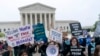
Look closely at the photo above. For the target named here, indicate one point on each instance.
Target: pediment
(37, 6)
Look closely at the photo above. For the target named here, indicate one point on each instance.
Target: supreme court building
(38, 13)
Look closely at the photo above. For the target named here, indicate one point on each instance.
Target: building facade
(63, 25)
(5, 26)
(38, 13)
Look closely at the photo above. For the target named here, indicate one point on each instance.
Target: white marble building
(5, 26)
(37, 13)
(63, 25)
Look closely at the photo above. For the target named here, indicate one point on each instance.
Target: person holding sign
(75, 49)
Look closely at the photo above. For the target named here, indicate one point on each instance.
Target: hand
(10, 48)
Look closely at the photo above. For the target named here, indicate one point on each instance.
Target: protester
(82, 40)
(8, 52)
(59, 48)
(42, 48)
(66, 45)
(1, 46)
(75, 49)
(97, 40)
(88, 40)
(27, 47)
(91, 47)
(97, 51)
(5, 45)
(23, 53)
(16, 50)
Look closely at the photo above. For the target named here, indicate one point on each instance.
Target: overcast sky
(85, 11)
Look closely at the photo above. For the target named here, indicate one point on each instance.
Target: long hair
(23, 51)
(76, 41)
(97, 50)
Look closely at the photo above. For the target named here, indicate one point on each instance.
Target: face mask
(67, 42)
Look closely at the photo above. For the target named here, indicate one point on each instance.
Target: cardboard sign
(39, 33)
(77, 51)
(76, 29)
(85, 32)
(19, 36)
(56, 35)
(52, 50)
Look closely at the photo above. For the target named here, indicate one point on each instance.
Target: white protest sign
(12, 36)
(19, 36)
(56, 35)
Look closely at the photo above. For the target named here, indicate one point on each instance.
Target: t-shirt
(77, 51)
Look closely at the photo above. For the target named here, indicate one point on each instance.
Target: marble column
(45, 20)
(40, 18)
(26, 19)
(49, 21)
(21, 16)
(31, 21)
(53, 20)
(35, 18)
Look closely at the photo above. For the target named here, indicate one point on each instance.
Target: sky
(84, 11)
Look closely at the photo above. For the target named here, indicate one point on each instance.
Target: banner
(56, 35)
(39, 33)
(52, 50)
(19, 36)
(76, 29)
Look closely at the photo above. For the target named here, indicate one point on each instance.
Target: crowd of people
(76, 46)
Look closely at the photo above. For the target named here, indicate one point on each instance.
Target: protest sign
(26, 35)
(77, 51)
(12, 36)
(52, 50)
(85, 32)
(56, 35)
(19, 36)
(76, 29)
(39, 33)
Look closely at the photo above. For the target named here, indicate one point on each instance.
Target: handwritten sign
(76, 29)
(19, 36)
(56, 35)
(39, 33)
